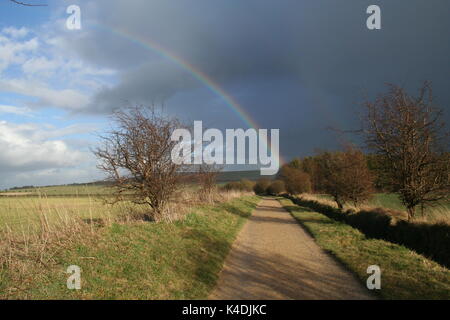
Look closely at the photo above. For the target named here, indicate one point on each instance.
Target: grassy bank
(405, 274)
(140, 260)
(439, 212)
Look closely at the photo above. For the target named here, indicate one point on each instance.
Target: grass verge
(438, 213)
(405, 274)
(142, 260)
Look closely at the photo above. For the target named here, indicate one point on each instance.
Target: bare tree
(296, 181)
(309, 166)
(136, 156)
(409, 134)
(345, 176)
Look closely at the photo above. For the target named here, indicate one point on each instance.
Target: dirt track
(274, 258)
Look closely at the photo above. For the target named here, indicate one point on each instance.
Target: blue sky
(44, 137)
(298, 66)
(27, 17)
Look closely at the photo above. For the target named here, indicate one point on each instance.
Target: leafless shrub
(207, 180)
(409, 134)
(136, 156)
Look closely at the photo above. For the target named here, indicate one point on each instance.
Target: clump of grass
(31, 238)
(405, 274)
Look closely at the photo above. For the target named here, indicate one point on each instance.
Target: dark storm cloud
(297, 65)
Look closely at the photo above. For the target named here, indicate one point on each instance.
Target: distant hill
(224, 177)
(227, 176)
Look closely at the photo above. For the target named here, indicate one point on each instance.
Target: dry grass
(33, 231)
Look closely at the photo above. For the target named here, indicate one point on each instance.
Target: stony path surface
(273, 257)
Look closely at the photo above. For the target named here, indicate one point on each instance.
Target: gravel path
(273, 257)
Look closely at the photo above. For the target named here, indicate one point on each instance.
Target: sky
(298, 66)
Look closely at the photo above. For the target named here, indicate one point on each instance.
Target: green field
(63, 191)
(28, 211)
(438, 212)
(392, 201)
(25, 209)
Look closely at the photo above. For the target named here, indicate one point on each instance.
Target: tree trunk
(411, 212)
(339, 203)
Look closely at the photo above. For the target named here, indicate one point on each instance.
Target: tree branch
(28, 4)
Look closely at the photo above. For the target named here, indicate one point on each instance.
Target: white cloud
(46, 97)
(15, 52)
(21, 111)
(43, 73)
(50, 76)
(39, 64)
(41, 154)
(52, 133)
(26, 147)
(15, 32)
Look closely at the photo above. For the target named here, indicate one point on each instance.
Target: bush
(296, 181)
(345, 176)
(276, 188)
(261, 186)
(233, 185)
(247, 185)
(243, 185)
(375, 223)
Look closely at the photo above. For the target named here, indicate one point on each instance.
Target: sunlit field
(392, 201)
(71, 190)
(28, 212)
(29, 209)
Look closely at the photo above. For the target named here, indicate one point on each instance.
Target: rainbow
(203, 78)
